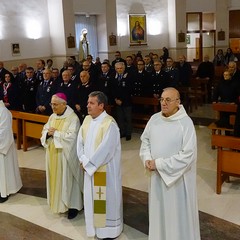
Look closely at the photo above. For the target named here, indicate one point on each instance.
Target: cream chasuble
(99, 151)
(64, 175)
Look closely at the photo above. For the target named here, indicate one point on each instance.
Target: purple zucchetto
(62, 96)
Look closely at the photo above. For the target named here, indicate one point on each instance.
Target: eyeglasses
(167, 100)
(54, 104)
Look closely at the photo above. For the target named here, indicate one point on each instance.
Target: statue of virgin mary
(83, 45)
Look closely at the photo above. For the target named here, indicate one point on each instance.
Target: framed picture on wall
(137, 29)
(15, 49)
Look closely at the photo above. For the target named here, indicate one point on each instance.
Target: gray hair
(120, 64)
(101, 97)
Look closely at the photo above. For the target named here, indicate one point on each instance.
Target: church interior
(54, 29)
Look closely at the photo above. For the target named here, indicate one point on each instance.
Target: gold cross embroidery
(100, 193)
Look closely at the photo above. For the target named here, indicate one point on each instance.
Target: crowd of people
(82, 141)
(30, 89)
(25, 88)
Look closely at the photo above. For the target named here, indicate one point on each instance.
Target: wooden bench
(223, 107)
(143, 109)
(228, 158)
(17, 127)
(32, 125)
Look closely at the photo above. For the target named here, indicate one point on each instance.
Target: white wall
(201, 6)
(56, 25)
(93, 7)
(234, 4)
(27, 24)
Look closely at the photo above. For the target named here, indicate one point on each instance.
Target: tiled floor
(225, 205)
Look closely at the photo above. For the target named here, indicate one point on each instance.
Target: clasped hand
(51, 131)
(150, 165)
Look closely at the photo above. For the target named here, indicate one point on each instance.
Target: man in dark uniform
(206, 70)
(122, 94)
(105, 80)
(92, 71)
(22, 73)
(185, 71)
(44, 94)
(29, 90)
(67, 88)
(130, 68)
(75, 78)
(148, 65)
(159, 79)
(81, 97)
(39, 72)
(172, 73)
(142, 83)
(118, 58)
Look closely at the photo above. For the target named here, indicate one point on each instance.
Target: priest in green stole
(63, 172)
(99, 152)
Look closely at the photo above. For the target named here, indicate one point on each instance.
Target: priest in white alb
(10, 179)
(63, 172)
(99, 152)
(169, 154)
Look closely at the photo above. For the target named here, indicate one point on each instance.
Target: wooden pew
(17, 127)
(32, 125)
(228, 158)
(140, 117)
(223, 107)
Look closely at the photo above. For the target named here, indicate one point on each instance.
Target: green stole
(100, 176)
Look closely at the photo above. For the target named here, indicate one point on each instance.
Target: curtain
(89, 23)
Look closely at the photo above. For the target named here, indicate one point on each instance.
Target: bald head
(170, 101)
(84, 76)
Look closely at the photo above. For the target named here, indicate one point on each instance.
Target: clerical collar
(100, 116)
(85, 84)
(62, 113)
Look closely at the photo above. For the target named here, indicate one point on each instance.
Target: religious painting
(112, 40)
(137, 29)
(71, 41)
(15, 49)
(221, 35)
(181, 37)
